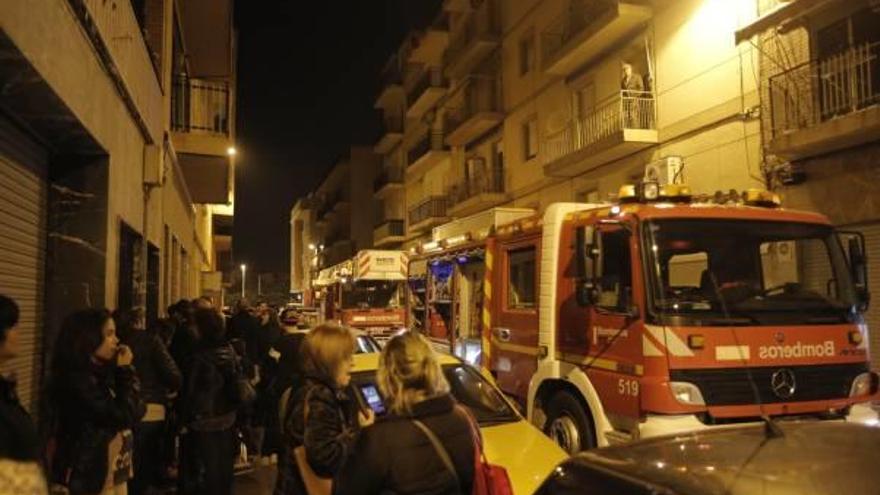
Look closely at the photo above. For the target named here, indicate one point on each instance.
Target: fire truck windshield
(366, 294)
(744, 272)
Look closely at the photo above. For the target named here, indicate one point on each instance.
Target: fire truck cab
(664, 313)
(365, 292)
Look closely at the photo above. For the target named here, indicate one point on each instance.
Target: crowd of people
(137, 407)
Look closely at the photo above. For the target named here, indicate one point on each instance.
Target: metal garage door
(872, 247)
(22, 249)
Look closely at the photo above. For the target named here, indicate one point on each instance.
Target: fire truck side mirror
(587, 255)
(858, 265)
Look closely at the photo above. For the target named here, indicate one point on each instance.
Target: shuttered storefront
(23, 205)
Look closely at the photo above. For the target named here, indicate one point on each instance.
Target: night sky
(308, 74)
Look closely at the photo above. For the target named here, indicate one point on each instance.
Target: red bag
(489, 479)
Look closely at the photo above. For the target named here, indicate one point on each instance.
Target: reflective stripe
(674, 345)
(601, 363)
(648, 347)
(732, 352)
(516, 348)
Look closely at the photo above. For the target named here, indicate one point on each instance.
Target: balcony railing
(578, 16)
(482, 22)
(433, 141)
(628, 110)
(433, 207)
(392, 176)
(200, 106)
(820, 90)
(481, 183)
(478, 94)
(392, 73)
(431, 77)
(392, 122)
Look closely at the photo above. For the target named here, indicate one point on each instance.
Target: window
(530, 138)
(527, 53)
(615, 284)
(521, 267)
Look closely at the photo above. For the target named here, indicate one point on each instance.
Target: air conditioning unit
(667, 170)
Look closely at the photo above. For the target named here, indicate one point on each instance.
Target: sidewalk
(259, 481)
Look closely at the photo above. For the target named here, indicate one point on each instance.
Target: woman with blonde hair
(318, 418)
(424, 445)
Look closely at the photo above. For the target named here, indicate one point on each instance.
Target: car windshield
(471, 390)
(366, 294)
(737, 272)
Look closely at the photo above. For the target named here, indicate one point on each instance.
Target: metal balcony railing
(474, 95)
(491, 182)
(200, 106)
(578, 16)
(819, 90)
(627, 110)
(432, 207)
(482, 22)
(392, 122)
(388, 176)
(432, 77)
(433, 141)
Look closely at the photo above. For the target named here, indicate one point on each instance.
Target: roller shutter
(23, 205)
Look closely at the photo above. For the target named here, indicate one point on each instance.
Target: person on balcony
(632, 88)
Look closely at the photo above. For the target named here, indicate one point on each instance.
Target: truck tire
(568, 424)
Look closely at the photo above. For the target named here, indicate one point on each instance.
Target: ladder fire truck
(659, 313)
(365, 292)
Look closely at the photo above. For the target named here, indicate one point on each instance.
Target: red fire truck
(365, 292)
(663, 313)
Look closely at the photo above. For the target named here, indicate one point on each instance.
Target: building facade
(110, 145)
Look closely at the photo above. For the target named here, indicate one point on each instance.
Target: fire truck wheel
(568, 425)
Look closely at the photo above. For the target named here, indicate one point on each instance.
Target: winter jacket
(18, 436)
(92, 406)
(395, 456)
(210, 399)
(157, 371)
(328, 435)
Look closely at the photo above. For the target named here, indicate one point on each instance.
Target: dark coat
(18, 436)
(394, 456)
(329, 434)
(209, 401)
(157, 371)
(92, 405)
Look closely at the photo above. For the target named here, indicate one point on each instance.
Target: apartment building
(113, 169)
(344, 210)
(820, 109)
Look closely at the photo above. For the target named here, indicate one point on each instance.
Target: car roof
(811, 457)
(370, 361)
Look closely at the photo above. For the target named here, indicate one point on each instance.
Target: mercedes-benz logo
(783, 383)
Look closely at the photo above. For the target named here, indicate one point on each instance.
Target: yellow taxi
(508, 440)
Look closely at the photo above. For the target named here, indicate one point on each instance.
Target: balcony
(588, 29)
(473, 41)
(426, 92)
(826, 105)
(428, 213)
(332, 204)
(619, 126)
(392, 83)
(388, 181)
(200, 107)
(480, 192)
(474, 109)
(337, 250)
(392, 132)
(429, 151)
(389, 232)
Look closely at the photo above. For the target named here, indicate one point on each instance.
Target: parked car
(815, 458)
(508, 439)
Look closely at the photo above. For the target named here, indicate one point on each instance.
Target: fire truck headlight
(687, 393)
(864, 384)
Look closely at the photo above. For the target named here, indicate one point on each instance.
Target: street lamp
(243, 272)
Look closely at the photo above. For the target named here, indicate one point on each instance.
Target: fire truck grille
(730, 386)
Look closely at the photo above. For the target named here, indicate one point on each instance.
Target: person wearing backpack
(425, 445)
(216, 387)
